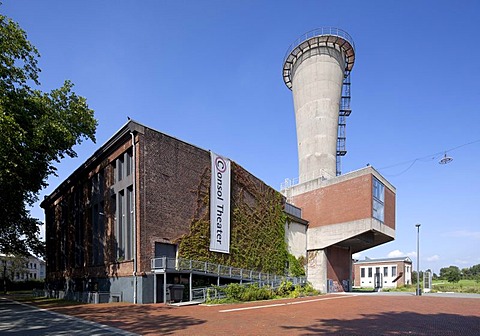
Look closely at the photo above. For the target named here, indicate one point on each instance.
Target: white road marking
(285, 304)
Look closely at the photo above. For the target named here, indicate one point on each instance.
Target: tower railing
(332, 31)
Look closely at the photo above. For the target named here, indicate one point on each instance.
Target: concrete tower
(315, 68)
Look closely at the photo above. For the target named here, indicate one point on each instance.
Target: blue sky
(209, 73)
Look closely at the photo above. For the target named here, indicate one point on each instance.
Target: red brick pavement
(319, 315)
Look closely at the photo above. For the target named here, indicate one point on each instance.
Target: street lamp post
(418, 260)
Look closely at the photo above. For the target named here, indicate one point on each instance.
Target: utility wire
(424, 158)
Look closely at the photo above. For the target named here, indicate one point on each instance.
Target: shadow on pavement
(141, 319)
(394, 323)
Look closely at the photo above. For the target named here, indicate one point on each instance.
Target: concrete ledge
(324, 236)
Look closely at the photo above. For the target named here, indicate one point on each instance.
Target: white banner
(220, 204)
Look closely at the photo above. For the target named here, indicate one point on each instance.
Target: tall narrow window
(394, 271)
(120, 168)
(95, 238)
(378, 200)
(370, 272)
(120, 224)
(362, 272)
(129, 162)
(385, 271)
(129, 225)
(122, 196)
(115, 171)
(101, 234)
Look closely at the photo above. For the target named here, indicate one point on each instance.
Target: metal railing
(181, 264)
(332, 31)
(217, 292)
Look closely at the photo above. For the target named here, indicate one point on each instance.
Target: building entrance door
(378, 280)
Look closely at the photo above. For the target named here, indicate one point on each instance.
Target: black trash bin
(176, 292)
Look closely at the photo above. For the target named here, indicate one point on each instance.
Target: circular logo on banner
(220, 164)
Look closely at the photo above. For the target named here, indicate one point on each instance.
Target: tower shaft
(314, 70)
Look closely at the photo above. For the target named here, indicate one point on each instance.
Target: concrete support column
(317, 269)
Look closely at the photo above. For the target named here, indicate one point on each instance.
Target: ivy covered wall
(257, 224)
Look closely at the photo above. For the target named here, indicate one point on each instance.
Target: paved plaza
(25, 320)
(333, 314)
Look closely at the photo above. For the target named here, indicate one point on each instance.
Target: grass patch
(41, 302)
(363, 290)
(463, 286)
(406, 288)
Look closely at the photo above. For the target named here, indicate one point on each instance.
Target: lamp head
(417, 225)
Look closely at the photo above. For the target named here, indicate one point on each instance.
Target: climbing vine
(257, 226)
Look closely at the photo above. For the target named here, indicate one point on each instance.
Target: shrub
(286, 287)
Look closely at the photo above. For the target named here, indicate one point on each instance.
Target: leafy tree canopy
(451, 273)
(37, 129)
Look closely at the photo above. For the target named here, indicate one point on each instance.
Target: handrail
(332, 31)
(200, 294)
(181, 264)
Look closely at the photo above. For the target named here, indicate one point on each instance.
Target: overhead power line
(434, 156)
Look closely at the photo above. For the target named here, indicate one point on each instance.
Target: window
(120, 221)
(394, 271)
(129, 225)
(378, 200)
(362, 272)
(369, 272)
(120, 168)
(122, 205)
(377, 270)
(385, 271)
(129, 162)
(98, 234)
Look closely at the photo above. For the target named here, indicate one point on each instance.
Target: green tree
(37, 129)
(475, 271)
(451, 273)
(415, 278)
(11, 266)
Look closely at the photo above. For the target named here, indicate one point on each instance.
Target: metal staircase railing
(163, 264)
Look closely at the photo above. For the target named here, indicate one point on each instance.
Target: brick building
(143, 198)
(383, 273)
(144, 195)
(347, 214)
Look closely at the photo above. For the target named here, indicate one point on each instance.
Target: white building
(22, 268)
(383, 273)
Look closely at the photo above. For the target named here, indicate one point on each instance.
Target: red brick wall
(342, 202)
(338, 264)
(171, 171)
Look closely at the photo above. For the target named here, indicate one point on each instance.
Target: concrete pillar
(317, 269)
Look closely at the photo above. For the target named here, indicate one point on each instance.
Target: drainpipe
(134, 215)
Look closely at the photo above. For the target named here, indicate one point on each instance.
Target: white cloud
(435, 257)
(398, 254)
